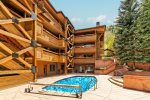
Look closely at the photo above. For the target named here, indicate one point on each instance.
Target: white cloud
(91, 21)
(96, 19)
(76, 20)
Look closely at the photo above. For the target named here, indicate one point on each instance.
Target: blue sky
(85, 13)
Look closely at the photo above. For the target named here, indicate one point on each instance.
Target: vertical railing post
(80, 91)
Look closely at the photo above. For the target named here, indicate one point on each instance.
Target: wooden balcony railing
(85, 39)
(45, 55)
(50, 40)
(87, 60)
(84, 50)
(49, 16)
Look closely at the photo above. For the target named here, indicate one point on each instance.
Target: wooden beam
(24, 50)
(5, 10)
(6, 21)
(14, 36)
(5, 59)
(10, 57)
(24, 62)
(5, 48)
(24, 31)
(27, 4)
(10, 52)
(14, 71)
(11, 16)
(10, 21)
(20, 6)
(35, 38)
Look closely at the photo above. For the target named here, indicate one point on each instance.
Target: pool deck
(105, 91)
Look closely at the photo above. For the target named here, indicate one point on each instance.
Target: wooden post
(66, 63)
(35, 39)
(73, 50)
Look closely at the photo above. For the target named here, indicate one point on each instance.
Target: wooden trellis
(69, 49)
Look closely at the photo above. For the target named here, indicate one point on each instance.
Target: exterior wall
(85, 38)
(84, 60)
(40, 68)
(85, 68)
(84, 50)
(42, 64)
(88, 43)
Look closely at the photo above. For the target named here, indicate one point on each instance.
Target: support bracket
(15, 55)
(33, 16)
(15, 20)
(33, 43)
(66, 39)
(34, 69)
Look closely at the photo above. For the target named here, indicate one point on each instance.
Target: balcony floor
(105, 91)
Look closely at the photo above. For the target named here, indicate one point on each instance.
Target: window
(52, 68)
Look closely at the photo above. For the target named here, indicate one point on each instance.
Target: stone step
(115, 82)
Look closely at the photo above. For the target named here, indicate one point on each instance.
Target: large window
(52, 68)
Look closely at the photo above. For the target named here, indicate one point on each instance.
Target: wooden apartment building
(88, 44)
(38, 41)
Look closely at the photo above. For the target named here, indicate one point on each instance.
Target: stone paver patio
(105, 91)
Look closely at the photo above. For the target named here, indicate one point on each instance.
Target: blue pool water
(86, 82)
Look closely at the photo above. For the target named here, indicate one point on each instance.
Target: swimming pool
(85, 82)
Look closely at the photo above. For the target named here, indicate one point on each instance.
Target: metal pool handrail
(59, 85)
(93, 81)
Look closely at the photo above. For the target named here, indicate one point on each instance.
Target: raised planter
(105, 70)
(140, 65)
(137, 82)
(104, 66)
(102, 63)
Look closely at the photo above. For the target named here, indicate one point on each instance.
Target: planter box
(137, 73)
(104, 66)
(105, 71)
(136, 82)
(144, 66)
(102, 63)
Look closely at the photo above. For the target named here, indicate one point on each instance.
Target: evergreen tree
(124, 37)
(142, 33)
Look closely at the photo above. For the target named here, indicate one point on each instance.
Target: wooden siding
(84, 60)
(84, 50)
(44, 55)
(85, 39)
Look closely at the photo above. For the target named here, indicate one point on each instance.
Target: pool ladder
(95, 85)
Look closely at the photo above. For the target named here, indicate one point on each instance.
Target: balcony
(45, 55)
(84, 60)
(84, 50)
(85, 39)
(48, 39)
(50, 23)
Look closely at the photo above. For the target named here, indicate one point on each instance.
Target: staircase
(116, 80)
